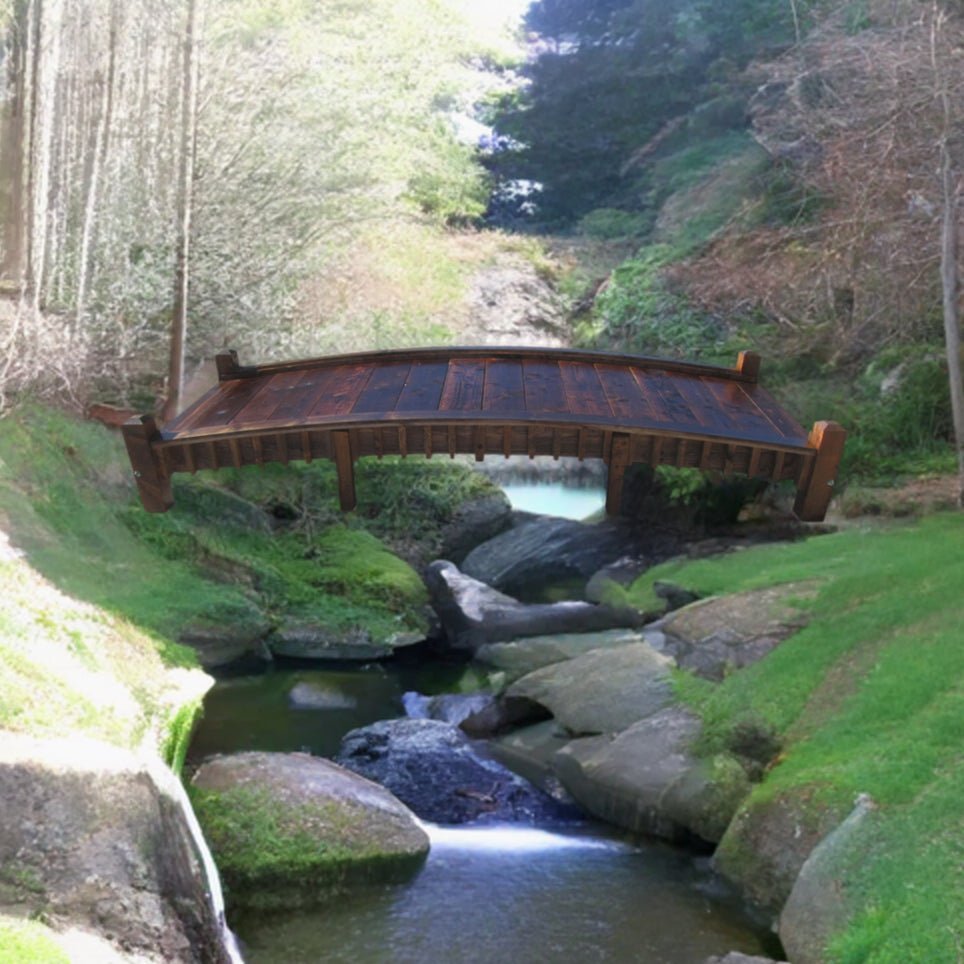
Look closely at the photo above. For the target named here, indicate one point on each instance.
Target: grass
(29, 942)
(868, 698)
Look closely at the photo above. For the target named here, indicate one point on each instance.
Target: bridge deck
(485, 401)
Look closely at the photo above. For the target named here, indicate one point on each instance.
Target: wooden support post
(815, 488)
(228, 367)
(153, 482)
(341, 446)
(618, 463)
(748, 364)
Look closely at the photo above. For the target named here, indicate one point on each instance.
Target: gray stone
(521, 657)
(315, 641)
(475, 522)
(219, 643)
(602, 691)
(545, 550)
(647, 779)
(530, 751)
(607, 585)
(360, 831)
(473, 614)
(433, 769)
(90, 838)
(715, 636)
(735, 957)
(822, 901)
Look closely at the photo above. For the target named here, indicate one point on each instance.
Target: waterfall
(168, 783)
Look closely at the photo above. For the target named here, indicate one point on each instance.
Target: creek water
(489, 894)
(555, 498)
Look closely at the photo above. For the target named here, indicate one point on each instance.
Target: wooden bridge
(490, 401)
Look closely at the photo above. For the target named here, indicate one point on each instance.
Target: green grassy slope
(868, 698)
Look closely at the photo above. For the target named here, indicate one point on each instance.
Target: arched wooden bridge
(490, 401)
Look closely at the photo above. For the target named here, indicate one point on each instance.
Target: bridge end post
(153, 482)
(816, 488)
(344, 464)
(748, 365)
(618, 463)
(227, 364)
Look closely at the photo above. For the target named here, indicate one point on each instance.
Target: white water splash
(172, 786)
(513, 839)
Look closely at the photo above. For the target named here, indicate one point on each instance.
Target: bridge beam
(618, 463)
(153, 482)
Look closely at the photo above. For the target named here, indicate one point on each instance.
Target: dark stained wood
(618, 463)
(153, 484)
(544, 390)
(504, 390)
(462, 391)
(490, 401)
(382, 389)
(584, 391)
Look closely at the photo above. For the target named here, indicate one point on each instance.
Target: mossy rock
(291, 830)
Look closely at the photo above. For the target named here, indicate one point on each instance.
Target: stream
(579, 893)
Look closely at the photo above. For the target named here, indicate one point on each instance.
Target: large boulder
(220, 641)
(523, 656)
(546, 550)
(473, 614)
(769, 839)
(311, 640)
(91, 839)
(432, 767)
(713, 636)
(648, 780)
(474, 522)
(602, 691)
(289, 829)
(823, 899)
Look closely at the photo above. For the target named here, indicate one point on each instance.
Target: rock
(474, 614)
(311, 696)
(289, 829)
(315, 641)
(545, 550)
(714, 636)
(735, 957)
(602, 691)
(475, 522)
(769, 839)
(647, 780)
(220, 642)
(92, 840)
(821, 903)
(530, 751)
(607, 585)
(520, 657)
(433, 769)
(676, 596)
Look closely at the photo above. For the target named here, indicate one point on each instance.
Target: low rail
(623, 409)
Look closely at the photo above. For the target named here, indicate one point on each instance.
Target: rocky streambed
(519, 718)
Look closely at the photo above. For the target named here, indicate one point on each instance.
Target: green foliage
(450, 187)
(868, 698)
(178, 733)
(610, 223)
(29, 942)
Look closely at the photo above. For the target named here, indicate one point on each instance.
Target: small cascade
(167, 782)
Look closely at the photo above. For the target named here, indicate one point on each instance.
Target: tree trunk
(13, 135)
(185, 184)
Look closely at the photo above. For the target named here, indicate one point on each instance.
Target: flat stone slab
(723, 633)
(523, 656)
(647, 780)
(602, 691)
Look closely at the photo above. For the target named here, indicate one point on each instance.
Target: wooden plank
(338, 389)
(544, 390)
(783, 422)
(507, 441)
(218, 407)
(261, 406)
(306, 453)
(704, 405)
(462, 391)
(282, 445)
(478, 443)
(618, 463)
(585, 394)
(453, 447)
(153, 484)
(341, 446)
(581, 445)
(816, 488)
(504, 389)
(751, 424)
(299, 399)
(623, 394)
(670, 404)
(422, 391)
(402, 442)
(383, 389)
